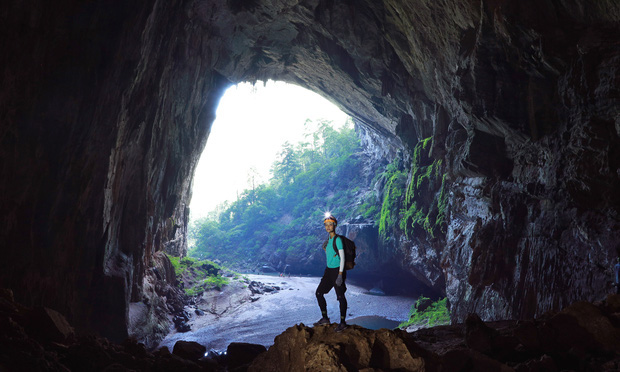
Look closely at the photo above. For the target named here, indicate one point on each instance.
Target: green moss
(176, 264)
(410, 203)
(436, 314)
(213, 282)
(389, 216)
(216, 281)
(442, 205)
(200, 275)
(411, 217)
(188, 261)
(424, 175)
(425, 142)
(194, 291)
(369, 209)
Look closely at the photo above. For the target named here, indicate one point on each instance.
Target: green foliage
(392, 194)
(369, 210)
(194, 291)
(436, 314)
(442, 204)
(308, 178)
(199, 275)
(188, 261)
(217, 281)
(323, 174)
(414, 204)
(418, 211)
(176, 264)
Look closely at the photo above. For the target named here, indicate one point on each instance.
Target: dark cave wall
(105, 110)
(534, 222)
(104, 113)
(554, 220)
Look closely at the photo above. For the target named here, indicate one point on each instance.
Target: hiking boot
(322, 321)
(341, 327)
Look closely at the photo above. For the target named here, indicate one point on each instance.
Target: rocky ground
(581, 337)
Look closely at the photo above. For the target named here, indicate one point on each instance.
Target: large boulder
(190, 350)
(241, 355)
(321, 349)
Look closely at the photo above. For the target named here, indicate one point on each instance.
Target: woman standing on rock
(334, 275)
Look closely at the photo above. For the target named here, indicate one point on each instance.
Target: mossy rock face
(417, 205)
(426, 313)
(421, 210)
(395, 181)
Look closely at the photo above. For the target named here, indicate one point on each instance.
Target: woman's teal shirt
(333, 260)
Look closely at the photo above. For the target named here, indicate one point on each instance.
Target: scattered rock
(42, 340)
(261, 288)
(181, 322)
(241, 354)
(479, 336)
(48, 325)
(581, 337)
(189, 350)
(184, 327)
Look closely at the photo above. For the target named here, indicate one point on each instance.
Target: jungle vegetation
(323, 173)
(309, 178)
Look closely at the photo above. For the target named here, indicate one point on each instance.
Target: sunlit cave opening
(278, 158)
(253, 123)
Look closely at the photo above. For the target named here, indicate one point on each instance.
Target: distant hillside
(279, 223)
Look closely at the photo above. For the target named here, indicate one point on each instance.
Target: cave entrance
(242, 240)
(254, 121)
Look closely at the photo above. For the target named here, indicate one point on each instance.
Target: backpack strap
(335, 247)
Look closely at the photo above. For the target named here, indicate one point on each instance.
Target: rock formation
(582, 337)
(105, 109)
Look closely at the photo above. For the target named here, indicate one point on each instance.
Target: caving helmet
(329, 217)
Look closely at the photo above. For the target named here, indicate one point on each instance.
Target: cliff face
(105, 110)
(103, 118)
(535, 227)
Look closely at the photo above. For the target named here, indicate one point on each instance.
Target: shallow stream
(270, 314)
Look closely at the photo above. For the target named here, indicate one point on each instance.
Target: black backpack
(349, 251)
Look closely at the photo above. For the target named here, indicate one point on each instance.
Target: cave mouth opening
(254, 120)
(253, 117)
(248, 113)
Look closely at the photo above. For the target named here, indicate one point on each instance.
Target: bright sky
(252, 124)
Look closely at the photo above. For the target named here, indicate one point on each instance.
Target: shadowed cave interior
(105, 110)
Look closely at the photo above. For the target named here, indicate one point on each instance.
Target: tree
(305, 178)
(288, 166)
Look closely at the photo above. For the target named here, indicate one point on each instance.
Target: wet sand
(261, 321)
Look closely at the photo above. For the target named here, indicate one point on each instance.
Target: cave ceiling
(105, 111)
